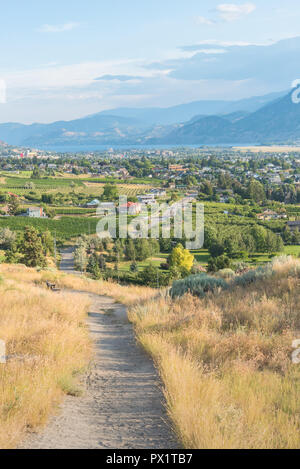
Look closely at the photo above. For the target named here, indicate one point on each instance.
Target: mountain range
(272, 118)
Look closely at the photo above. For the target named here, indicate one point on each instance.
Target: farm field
(21, 186)
(268, 149)
(65, 228)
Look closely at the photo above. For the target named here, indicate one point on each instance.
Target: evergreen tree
(142, 249)
(32, 249)
(130, 252)
(93, 267)
(13, 205)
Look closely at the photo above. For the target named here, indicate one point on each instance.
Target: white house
(35, 212)
(93, 204)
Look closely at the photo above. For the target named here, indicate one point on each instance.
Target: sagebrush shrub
(197, 285)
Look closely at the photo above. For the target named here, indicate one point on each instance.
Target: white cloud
(204, 21)
(211, 51)
(232, 12)
(75, 75)
(58, 28)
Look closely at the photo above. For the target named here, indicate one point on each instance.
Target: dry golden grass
(226, 362)
(127, 295)
(47, 344)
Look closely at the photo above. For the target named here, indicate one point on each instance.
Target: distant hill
(276, 122)
(96, 128)
(185, 112)
(138, 126)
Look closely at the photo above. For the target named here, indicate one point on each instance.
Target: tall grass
(47, 344)
(127, 295)
(225, 360)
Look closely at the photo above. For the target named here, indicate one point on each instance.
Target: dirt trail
(123, 405)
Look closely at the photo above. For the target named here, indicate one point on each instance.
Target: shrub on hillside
(218, 263)
(252, 276)
(225, 273)
(197, 285)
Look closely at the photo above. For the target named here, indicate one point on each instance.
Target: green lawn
(201, 256)
(292, 250)
(156, 261)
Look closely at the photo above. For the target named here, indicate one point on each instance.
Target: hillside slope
(46, 345)
(278, 121)
(226, 360)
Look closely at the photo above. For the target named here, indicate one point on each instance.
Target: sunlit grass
(47, 344)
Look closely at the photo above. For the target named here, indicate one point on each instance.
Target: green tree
(142, 249)
(130, 252)
(80, 258)
(165, 244)
(119, 250)
(32, 249)
(11, 255)
(47, 242)
(36, 173)
(216, 248)
(13, 205)
(110, 192)
(256, 191)
(152, 277)
(218, 263)
(259, 235)
(7, 238)
(93, 267)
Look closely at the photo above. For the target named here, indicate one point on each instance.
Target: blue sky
(65, 59)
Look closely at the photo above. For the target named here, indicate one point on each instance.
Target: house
(93, 204)
(275, 179)
(35, 212)
(177, 168)
(132, 208)
(158, 192)
(270, 215)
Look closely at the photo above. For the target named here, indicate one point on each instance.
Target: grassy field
(201, 256)
(65, 228)
(292, 250)
(155, 261)
(48, 346)
(69, 183)
(226, 362)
